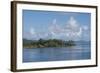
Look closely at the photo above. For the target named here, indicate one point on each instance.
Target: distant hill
(25, 41)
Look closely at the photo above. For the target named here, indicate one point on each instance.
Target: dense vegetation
(41, 43)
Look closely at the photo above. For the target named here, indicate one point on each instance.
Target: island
(41, 43)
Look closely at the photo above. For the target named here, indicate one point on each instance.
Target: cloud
(85, 28)
(32, 31)
(55, 30)
(42, 35)
(72, 30)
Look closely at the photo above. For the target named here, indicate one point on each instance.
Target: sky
(56, 25)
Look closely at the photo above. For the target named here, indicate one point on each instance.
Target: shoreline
(48, 47)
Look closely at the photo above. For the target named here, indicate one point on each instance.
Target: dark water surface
(78, 52)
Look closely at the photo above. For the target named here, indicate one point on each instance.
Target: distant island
(41, 43)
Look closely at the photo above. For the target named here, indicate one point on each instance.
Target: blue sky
(56, 25)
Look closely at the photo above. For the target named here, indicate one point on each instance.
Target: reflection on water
(56, 54)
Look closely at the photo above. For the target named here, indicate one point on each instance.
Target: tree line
(41, 43)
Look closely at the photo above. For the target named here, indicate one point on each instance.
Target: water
(78, 52)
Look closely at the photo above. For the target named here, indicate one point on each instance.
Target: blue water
(78, 52)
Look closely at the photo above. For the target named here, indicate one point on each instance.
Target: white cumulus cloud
(72, 29)
(32, 31)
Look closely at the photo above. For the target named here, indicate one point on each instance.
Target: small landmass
(41, 43)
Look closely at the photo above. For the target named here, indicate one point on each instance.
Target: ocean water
(79, 52)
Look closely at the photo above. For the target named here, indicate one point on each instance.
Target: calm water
(79, 52)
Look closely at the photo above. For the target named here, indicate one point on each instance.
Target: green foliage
(47, 43)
